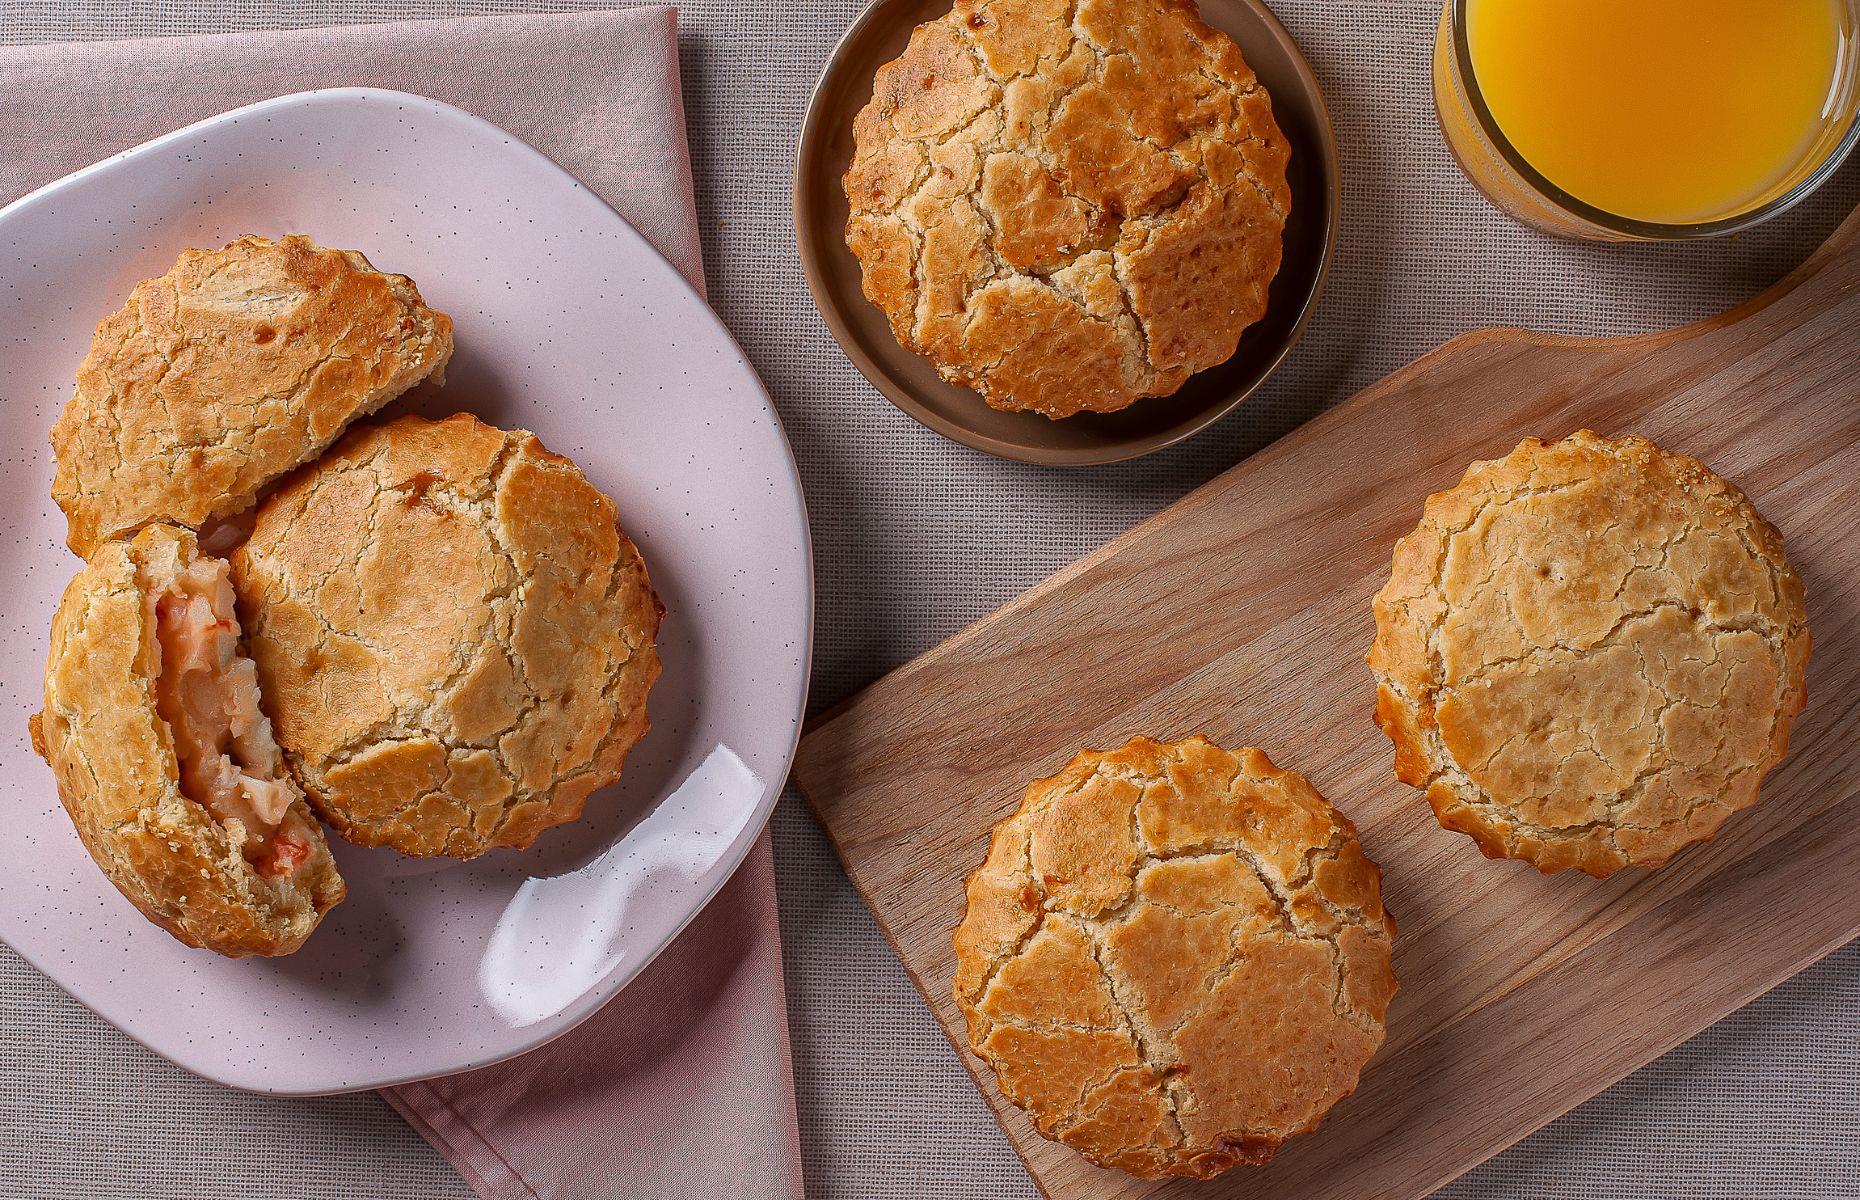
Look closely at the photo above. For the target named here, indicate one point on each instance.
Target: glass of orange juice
(1642, 120)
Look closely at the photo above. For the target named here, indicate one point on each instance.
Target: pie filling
(207, 692)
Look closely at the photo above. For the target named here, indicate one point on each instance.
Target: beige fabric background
(914, 537)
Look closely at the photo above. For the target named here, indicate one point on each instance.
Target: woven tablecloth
(914, 537)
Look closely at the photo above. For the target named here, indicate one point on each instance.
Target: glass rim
(1629, 226)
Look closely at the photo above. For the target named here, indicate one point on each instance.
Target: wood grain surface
(1242, 611)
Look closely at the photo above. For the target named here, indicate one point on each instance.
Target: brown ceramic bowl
(877, 37)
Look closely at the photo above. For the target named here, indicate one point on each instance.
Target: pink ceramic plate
(568, 324)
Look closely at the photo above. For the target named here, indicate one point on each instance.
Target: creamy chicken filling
(207, 692)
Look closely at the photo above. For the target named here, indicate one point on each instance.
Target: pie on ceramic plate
(453, 632)
(165, 760)
(429, 966)
(216, 378)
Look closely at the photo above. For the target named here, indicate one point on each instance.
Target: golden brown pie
(1068, 206)
(1175, 957)
(223, 374)
(1589, 653)
(454, 636)
(164, 758)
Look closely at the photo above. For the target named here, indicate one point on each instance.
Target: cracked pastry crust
(1175, 957)
(1068, 204)
(1589, 653)
(454, 637)
(223, 374)
(115, 760)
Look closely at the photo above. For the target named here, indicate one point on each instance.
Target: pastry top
(114, 758)
(223, 374)
(1067, 215)
(453, 633)
(1175, 957)
(1589, 653)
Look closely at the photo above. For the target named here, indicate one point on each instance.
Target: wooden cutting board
(1243, 611)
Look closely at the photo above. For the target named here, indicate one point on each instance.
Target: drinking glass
(1497, 168)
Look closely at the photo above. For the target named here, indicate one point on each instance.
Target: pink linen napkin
(682, 1086)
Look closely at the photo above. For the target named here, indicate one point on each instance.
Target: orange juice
(1667, 111)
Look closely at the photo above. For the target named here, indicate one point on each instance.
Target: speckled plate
(569, 324)
(910, 382)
